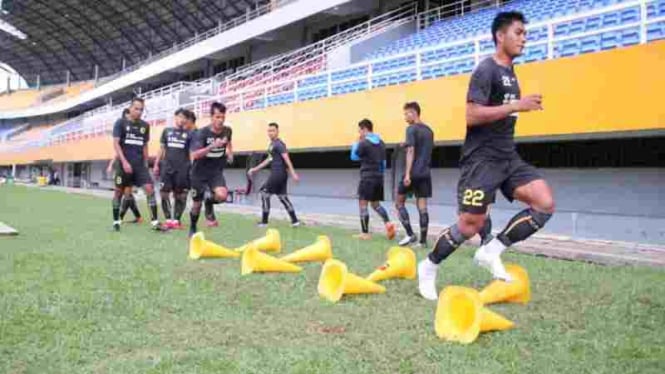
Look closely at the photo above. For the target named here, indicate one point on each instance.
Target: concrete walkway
(343, 213)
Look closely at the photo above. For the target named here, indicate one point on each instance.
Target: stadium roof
(75, 35)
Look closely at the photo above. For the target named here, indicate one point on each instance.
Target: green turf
(75, 297)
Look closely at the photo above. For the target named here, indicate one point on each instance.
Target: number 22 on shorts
(473, 197)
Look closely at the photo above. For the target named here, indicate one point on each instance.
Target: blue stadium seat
(609, 40)
(656, 31)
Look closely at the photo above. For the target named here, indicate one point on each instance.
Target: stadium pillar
(68, 75)
(9, 82)
(124, 64)
(38, 82)
(13, 171)
(96, 73)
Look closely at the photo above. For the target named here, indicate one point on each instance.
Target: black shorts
(370, 189)
(174, 178)
(139, 177)
(201, 183)
(480, 179)
(276, 184)
(420, 187)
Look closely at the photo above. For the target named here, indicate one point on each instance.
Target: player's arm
(199, 151)
(260, 166)
(145, 145)
(289, 164)
(410, 153)
(117, 133)
(109, 167)
(478, 109)
(229, 147)
(161, 153)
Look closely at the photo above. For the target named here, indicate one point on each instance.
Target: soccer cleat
(420, 245)
(116, 226)
(408, 241)
(137, 220)
(261, 224)
(156, 226)
(363, 236)
(212, 223)
(390, 230)
(427, 279)
(493, 264)
(295, 224)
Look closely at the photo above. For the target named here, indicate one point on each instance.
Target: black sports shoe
(116, 227)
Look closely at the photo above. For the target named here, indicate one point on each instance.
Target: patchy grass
(77, 298)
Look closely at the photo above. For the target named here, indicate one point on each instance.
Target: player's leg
(120, 180)
(117, 195)
(180, 193)
(279, 187)
(149, 190)
(218, 195)
(198, 190)
(476, 191)
(364, 219)
(403, 214)
(165, 195)
(376, 197)
(209, 210)
(468, 224)
(485, 232)
(423, 191)
(129, 202)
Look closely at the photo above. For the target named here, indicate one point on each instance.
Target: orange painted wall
(618, 90)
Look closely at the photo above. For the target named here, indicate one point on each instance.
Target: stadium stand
(18, 99)
(442, 46)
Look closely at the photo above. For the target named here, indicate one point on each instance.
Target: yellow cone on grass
(400, 263)
(254, 261)
(199, 247)
(517, 291)
(336, 280)
(461, 316)
(321, 250)
(270, 242)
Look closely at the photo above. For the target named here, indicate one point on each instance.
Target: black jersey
(492, 85)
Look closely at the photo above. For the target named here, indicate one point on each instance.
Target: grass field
(77, 298)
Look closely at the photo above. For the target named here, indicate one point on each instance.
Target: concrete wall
(611, 204)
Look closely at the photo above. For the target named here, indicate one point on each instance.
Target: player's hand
(127, 167)
(229, 159)
(529, 103)
(295, 177)
(251, 172)
(155, 170)
(219, 143)
(407, 181)
(109, 169)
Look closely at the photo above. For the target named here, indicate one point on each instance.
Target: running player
(417, 178)
(371, 152)
(490, 162)
(130, 142)
(280, 162)
(175, 165)
(211, 149)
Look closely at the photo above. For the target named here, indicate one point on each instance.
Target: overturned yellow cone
(517, 291)
(321, 250)
(254, 261)
(270, 242)
(335, 281)
(401, 263)
(461, 316)
(199, 247)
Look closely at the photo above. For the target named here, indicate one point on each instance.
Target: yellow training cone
(401, 263)
(517, 291)
(321, 250)
(254, 260)
(201, 248)
(461, 316)
(270, 242)
(335, 281)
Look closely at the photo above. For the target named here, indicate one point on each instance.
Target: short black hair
(505, 19)
(125, 112)
(190, 116)
(366, 124)
(135, 99)
(218, 107)
(273, 124)
(412, 105)
(181, 111)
